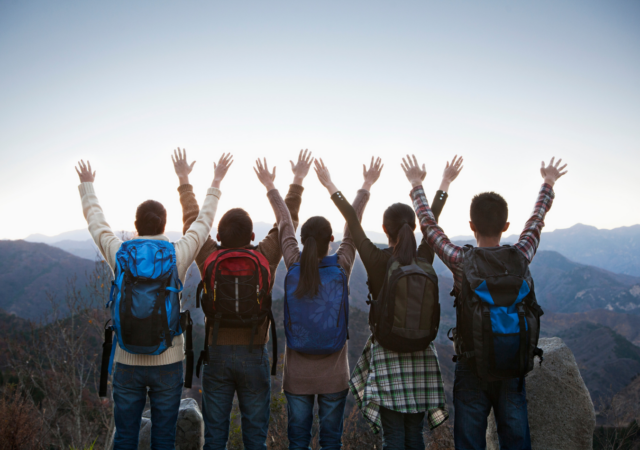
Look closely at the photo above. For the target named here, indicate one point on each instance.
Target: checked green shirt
(402, 382)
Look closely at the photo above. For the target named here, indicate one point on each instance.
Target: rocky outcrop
(189, 432)
(561, 414)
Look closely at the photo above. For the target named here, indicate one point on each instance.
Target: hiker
(497, 316)
(315, 318)
(151, 361)
(237, 359)
(395, 389)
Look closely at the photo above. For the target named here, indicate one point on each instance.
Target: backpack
(318, 324)
(406, 315)
(497, 315)
(145, 304)
(235, 293)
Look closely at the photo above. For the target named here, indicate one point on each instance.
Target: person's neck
(488, 241)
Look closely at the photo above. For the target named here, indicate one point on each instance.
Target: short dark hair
(235, 228)
(489, 213)
(151, 217)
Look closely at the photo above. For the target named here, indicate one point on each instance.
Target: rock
(561, 413)
(189, 430)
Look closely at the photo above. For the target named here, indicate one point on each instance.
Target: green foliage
(86, 448)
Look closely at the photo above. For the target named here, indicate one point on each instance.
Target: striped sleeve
(530, 236)
(450, 254)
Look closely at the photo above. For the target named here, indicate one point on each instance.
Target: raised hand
(181, 166)
(85, 174)
(301, 168)
(265, 177)
(220, 169)
(552, 172)
(371, 175)
(412, 170)
(451, 172)
(324, 176)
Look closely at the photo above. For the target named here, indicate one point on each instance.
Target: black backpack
(406, 315)
(497, 315)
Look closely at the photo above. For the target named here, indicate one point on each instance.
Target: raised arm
(195, 237)
(286, 232)
(104, 237)
(451, 172)
(270, 245)
(190, 207)
(530, 236)
(354, 237)
(448, 252)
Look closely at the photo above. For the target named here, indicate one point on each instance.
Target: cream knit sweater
(186, 250)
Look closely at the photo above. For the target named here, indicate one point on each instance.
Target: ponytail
(315, 235)
(400, 221)
(309, 271)
(405, 248)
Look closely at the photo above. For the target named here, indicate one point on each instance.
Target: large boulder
(561, 413)
(189, 431)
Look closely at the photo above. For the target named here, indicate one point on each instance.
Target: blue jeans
(300, 415)
(130, 387)
(473, 405)
(233, 369)
(401, 431)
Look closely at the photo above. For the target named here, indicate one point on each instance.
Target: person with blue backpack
(497, 315)
(316, 318)
(397, 381)
(145, 310)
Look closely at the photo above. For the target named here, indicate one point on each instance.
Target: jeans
(473, 405)
(130, 387)
(401, 431)
(233, 369)
(300, 415)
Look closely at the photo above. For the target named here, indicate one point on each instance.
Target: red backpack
(235, 293)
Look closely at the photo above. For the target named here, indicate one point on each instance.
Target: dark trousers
(300, 419)
(473, 405)
(401, 431)
(233, 369)
(130, 387)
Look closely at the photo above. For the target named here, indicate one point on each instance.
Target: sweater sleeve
(194, 238)
(347, 250)
(288, 241)
(270, 245)
(190, 212)
(370, 254)
(104, 237)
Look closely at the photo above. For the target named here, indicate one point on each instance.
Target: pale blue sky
(504, 83)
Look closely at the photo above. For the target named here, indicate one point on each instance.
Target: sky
(505, 84)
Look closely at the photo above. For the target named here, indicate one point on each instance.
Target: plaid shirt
(453, 255)
(402, 382)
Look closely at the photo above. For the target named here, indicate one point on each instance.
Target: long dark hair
(400, 223)
(315, 235)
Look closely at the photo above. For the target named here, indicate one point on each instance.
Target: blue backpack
(144, 302)
(317, 325)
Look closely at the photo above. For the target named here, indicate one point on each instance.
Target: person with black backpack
(146, 315)
(316, 318)
(497, 315)
(235, 295)
(397, 380)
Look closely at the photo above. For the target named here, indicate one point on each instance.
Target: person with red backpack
(316, 317)
(235, 295)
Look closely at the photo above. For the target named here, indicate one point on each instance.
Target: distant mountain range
(616, 250)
